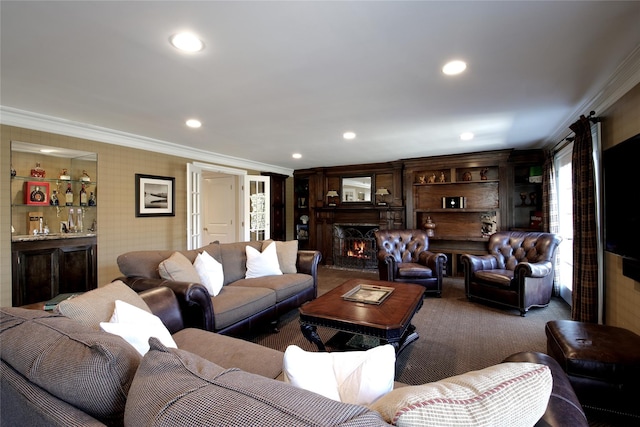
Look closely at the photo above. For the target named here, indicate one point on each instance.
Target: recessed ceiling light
(466, 136)
(187, 42)
(47, 150)
(193, 123)
(349, 135)
(296, 155)
(454, 67)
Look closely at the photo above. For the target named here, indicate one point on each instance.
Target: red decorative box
(36, 193)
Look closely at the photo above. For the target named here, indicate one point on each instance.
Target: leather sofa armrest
(533, 269)
(194, 299)
(478, 262)
(164, 304)
(564, 408)
(386, 266)
(433, 260)
(307, 263)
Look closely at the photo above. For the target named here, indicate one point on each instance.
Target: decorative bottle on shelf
(92, 199)
(37, 195)
(54, 198)
(37, 172)
(68, 196)
(71, 221)
(83, 196)
(79, 220)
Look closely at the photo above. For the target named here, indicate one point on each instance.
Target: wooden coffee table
(389, 321)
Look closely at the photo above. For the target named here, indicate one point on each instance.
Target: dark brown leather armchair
(517, 272)
(404, 256)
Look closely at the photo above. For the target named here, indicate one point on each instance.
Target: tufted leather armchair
(517, 272)
(403, 256)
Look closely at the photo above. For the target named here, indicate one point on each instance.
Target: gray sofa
(57, 371)
(243, 304)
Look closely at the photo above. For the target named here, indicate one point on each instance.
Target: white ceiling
(284, 77)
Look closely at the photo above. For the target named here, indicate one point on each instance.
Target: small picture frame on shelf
(456, 202)
(302, 231)
(36, 193)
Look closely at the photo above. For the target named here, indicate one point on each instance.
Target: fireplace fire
(359, 249)
(354, 246)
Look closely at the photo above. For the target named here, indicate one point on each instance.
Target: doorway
(207, 186)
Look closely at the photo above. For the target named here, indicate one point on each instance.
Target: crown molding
(623, 79)
(29, 120)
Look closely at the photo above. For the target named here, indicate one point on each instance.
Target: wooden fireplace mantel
(385, 217)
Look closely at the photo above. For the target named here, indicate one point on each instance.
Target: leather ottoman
(602, 362)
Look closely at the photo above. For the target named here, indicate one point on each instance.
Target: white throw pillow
(210, 272)
(357, 377)
(263, 263)
(136, 326)
(507, 394)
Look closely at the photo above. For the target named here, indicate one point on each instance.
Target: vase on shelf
(430, 226)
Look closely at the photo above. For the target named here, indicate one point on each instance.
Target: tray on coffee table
(368, 294)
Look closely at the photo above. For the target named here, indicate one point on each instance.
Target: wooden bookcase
(462, 195)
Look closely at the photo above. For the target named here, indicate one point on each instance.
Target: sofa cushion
(230, 352)
(195, 391)
(358, 377)
(210, 271)
(413, 269)
(234, 259)
(91, 370)
(178, 268)
(287, 255)
(265, 263)
(136, 326)
(97, 305)
(236, 303)
(284, 286)
(508, 394)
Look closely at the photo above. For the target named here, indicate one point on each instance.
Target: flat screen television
(621, 177)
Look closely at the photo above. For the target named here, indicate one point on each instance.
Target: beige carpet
(456, 335)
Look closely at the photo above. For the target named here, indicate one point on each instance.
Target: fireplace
(354, 246)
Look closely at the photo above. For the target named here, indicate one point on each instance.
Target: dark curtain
(585, 260)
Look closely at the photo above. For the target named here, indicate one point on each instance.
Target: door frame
(194, 199)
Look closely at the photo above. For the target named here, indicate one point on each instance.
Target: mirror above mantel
(356, 189)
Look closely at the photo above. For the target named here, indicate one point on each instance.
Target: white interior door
(219, 208)
(257, 200)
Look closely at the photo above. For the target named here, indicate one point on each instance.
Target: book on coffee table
(368, 294)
